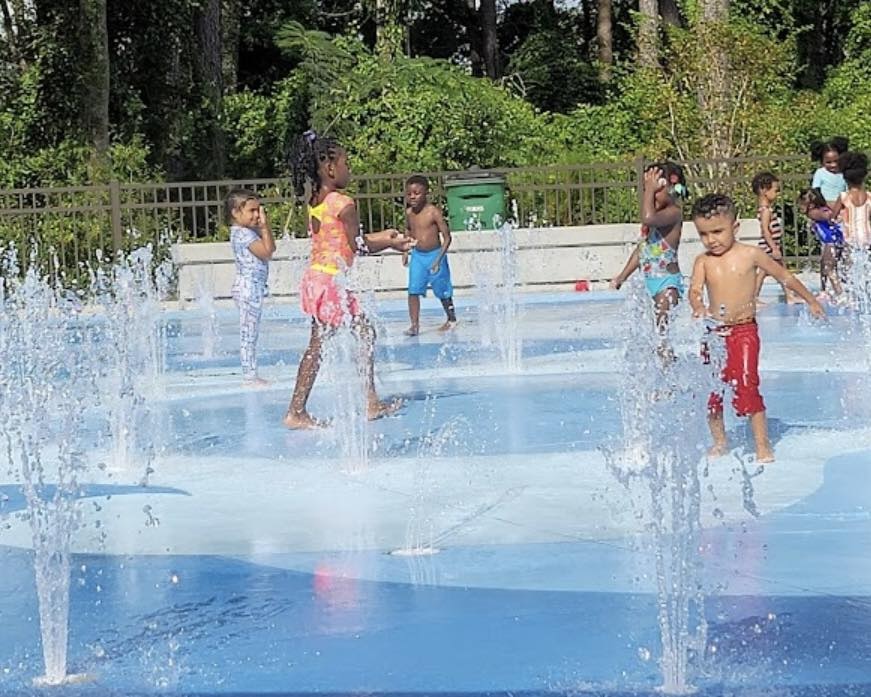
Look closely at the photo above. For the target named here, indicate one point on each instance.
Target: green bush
(259, 127)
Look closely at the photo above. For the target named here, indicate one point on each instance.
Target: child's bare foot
(764, 455)
(718, 450)
(255, 383)
(447, 326)
(412, 331)
(378, 410)
(302, 420)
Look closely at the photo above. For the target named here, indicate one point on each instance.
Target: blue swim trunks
(657, 284)
(420, 277)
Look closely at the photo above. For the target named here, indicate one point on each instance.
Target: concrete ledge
(553, 258)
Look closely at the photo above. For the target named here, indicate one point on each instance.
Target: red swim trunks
(741, 370)
(323, 299)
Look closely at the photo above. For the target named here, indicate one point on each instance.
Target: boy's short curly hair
(713, 205)
(418, 179)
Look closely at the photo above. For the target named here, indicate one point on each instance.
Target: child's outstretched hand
(615, 283)
(400, 242)
(816, 309)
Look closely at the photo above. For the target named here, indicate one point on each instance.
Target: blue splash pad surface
(536, 591)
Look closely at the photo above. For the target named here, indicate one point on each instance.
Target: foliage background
(794, 70)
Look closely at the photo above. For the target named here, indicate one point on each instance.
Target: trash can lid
(474, 175)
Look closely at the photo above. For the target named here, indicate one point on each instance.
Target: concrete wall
(548, 258)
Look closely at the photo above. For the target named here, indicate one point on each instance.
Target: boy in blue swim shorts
(427, 262)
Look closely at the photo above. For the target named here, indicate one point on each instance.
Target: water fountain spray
(663, 402)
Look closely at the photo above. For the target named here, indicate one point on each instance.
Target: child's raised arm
(697, 287)
(668, 216)
(263, 248)
(768, 265)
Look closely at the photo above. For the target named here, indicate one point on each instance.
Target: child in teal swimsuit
(661, 226)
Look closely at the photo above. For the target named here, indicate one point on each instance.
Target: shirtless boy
(427, 262)
(727, 270)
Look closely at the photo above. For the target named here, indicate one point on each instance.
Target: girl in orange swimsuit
(320, 172)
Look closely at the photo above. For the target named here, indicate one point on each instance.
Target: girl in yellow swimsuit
(320, 172)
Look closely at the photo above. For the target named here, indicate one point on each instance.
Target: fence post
(639, 179)
(115, 206)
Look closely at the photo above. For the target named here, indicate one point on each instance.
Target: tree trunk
(605, 38)
(8, 26)
(473, 29)
(715, 10)
(490, 39)
(670, 13)
(648, 29)
(713, 93)
(94, 39)
(231, 18)
(209, 74)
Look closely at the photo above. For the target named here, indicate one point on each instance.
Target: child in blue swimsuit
(661, 226)
(830, 234)
(427, 262)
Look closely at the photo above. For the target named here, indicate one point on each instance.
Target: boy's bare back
(730, 279)
(425, 226)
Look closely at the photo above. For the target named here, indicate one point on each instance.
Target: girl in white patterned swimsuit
(854, 204)
(253, 247)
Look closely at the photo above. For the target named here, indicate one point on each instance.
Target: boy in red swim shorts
(727, 270)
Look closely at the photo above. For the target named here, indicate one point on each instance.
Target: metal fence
(74, 222)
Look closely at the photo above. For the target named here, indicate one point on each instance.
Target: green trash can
(476, 200)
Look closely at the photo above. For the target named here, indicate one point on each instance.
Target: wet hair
(854, 167)
(763, 182)
(306, 158)
(235, 200)
(674, 175)
(418, 179)
(713, 205)
(838, 144)
(812, 198)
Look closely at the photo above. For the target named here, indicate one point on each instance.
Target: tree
(604, 38)
(490, 39)
(648, 28)
(670, 13)
(209, 76)
(231, 18)
(95, 73)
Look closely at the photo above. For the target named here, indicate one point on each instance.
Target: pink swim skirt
(323, 299)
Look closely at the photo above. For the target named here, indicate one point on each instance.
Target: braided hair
(305, 160)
